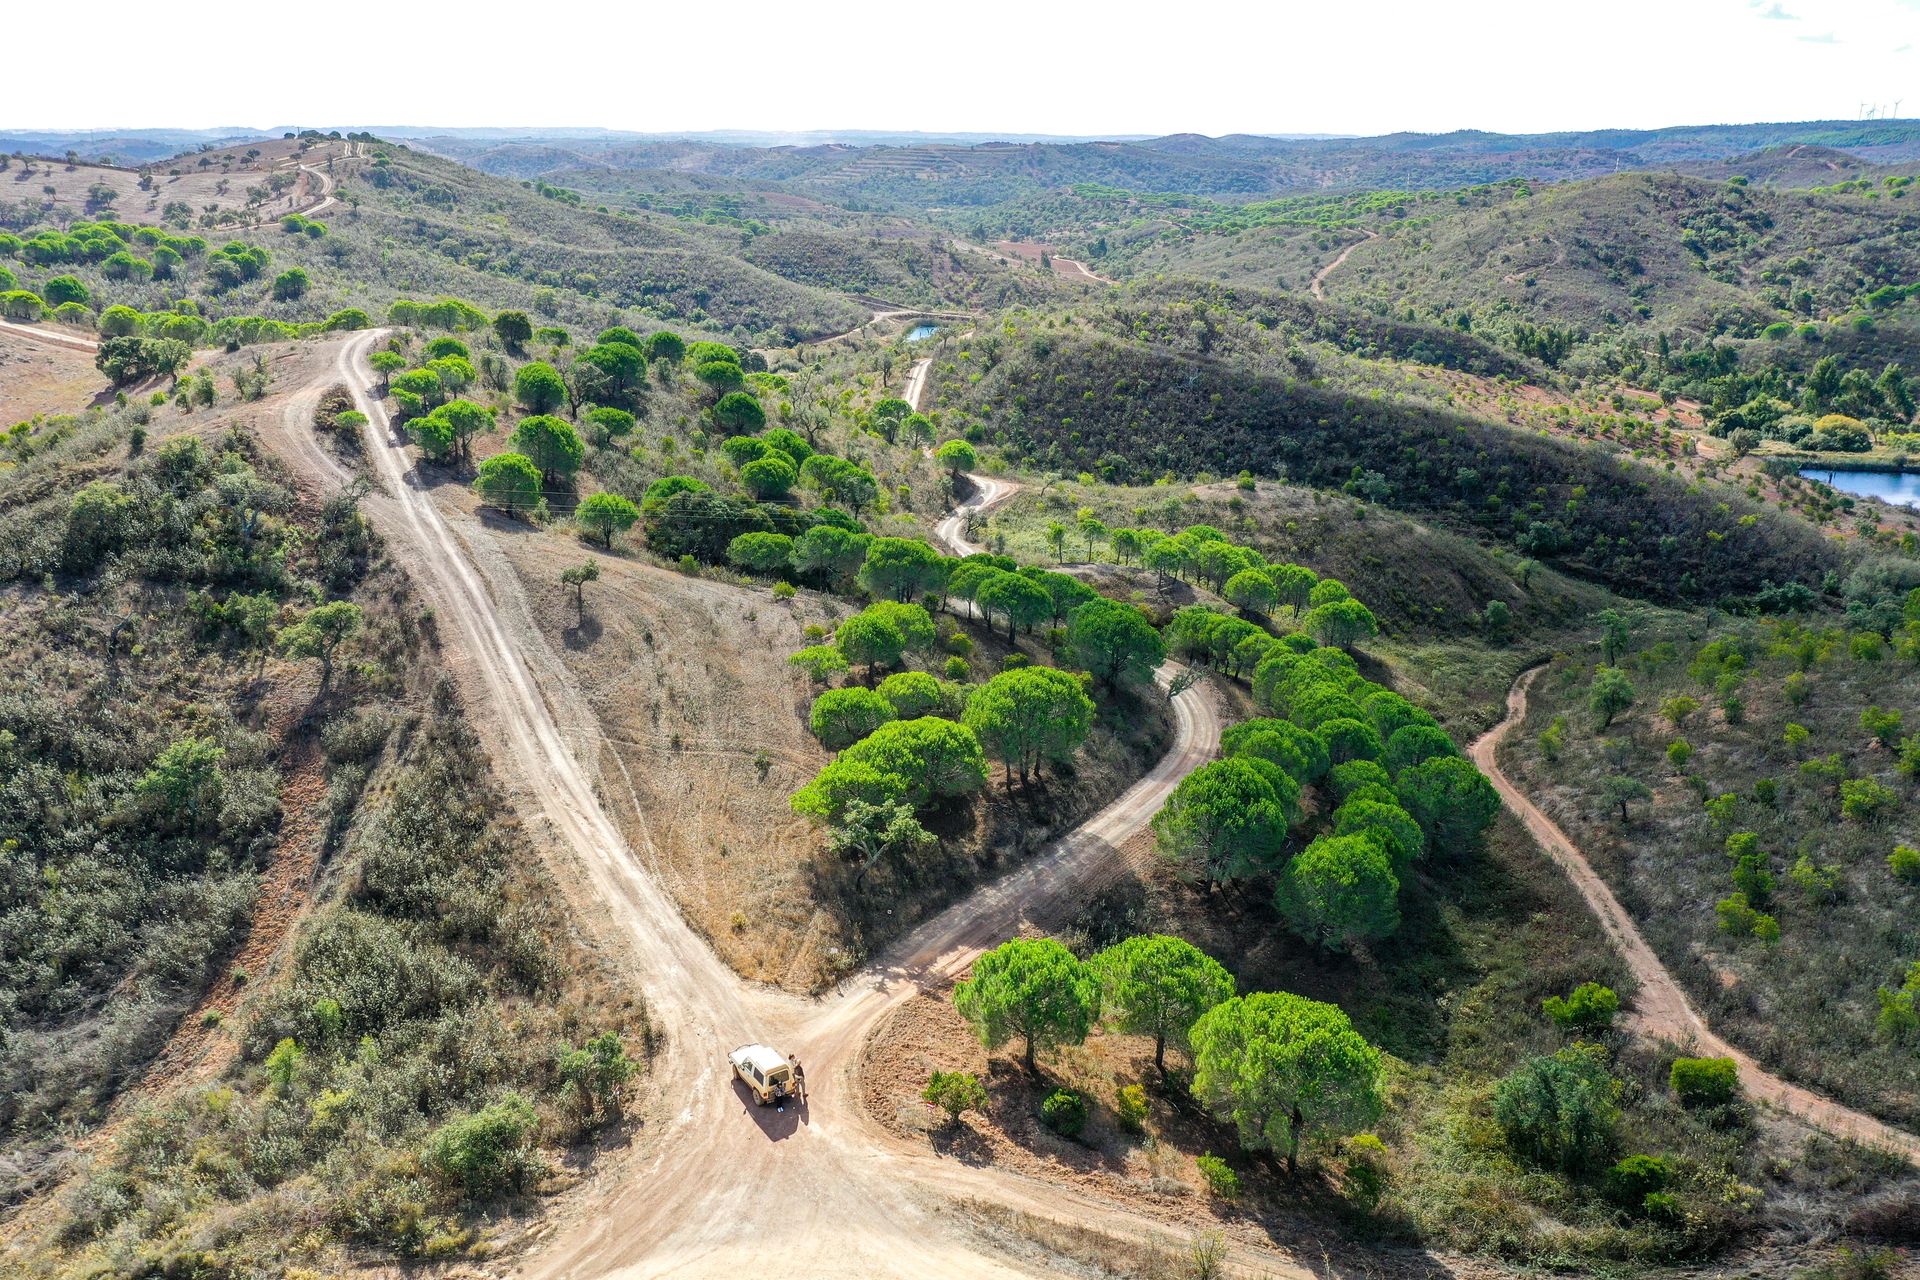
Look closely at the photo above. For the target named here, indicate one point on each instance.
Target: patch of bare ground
(41, 377)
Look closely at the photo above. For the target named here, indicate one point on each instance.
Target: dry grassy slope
(702, 732)
(41, 377)
(688, 681)
(222, 182)
(436, 227)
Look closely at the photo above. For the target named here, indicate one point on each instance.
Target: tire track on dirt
(1661, 1009)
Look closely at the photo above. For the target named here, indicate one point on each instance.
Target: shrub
(1065, 1112)
(1631, 1181)
(1130, 1105)
(955, 1092)
(1904, 862)
(1591, 1007)
(486, 1152)
(1864, 800)
(1364, 1180)
(1554, 740)
(1222, 1181)
(1704, 1081)
(1560, 1111)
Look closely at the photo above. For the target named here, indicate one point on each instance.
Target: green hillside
(1163, 387)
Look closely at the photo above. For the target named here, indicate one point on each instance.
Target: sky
(1230, 66)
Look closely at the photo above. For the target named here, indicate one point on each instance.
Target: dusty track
(1080, 271)
(715, 1184)
(1661, 1009)
(57, 337)
(1320, 276)
(324, 198)
(915, 393)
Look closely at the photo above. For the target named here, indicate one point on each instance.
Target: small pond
(922, 331)
(1901, 488)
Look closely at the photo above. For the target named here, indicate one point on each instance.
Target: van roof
(760, 1056)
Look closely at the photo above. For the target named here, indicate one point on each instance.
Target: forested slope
(1077, 398)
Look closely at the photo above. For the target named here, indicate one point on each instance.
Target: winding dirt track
(1320, 276)
(1081, 271)
(1661, 1009)
(717, 1185)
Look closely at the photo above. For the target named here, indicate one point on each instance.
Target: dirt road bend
(1661, 1008)
(714, 1184)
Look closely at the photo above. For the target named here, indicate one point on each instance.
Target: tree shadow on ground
(582, 634)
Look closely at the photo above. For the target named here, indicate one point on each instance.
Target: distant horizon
(1030, 68)
(766, 137)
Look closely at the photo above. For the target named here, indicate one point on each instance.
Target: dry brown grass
(40, 377)
(222, 182)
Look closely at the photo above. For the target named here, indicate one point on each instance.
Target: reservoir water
(922, 331)
(1898, 487)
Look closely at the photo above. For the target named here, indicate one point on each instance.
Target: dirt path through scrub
(1320, 276)
(1661, 1009)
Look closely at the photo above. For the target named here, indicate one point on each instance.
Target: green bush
(1698, 1082)
(1367, 1173)
(1591, 1007)
(488, 1151)
(1130, 1105)
(1065, 1112)
(955, 1092)
(1633, 1179)
(1904, 862)
(1664, 1208)
(1222, 1181)
(1560, 1111)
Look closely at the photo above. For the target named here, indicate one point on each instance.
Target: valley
(1245, 706)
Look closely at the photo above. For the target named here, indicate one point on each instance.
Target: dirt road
(915, 392)
(1320, 276)
(1078, 271)
(57, 337)
(716, 1184)
(1661, 1009)
(324, 196)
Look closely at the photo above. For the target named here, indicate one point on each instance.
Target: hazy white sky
(1358, 66)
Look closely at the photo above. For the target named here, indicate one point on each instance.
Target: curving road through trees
(715, 1184)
